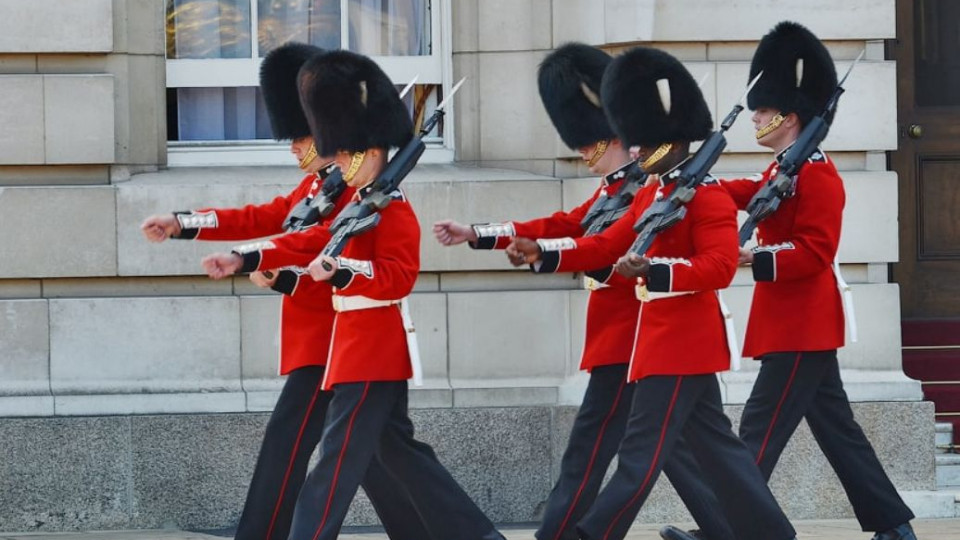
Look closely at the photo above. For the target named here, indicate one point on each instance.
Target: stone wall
(192, 471)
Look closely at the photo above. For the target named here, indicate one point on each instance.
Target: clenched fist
(159, 227)
(451, 233)
(221, 265)
(523, 251)
(632, 265)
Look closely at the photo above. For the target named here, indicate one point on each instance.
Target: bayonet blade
(703, 79)
(743, 98)
(450, 95)
(409, 86)
(853, 65)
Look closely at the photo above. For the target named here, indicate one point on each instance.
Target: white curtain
(389, 27)
(220, 29)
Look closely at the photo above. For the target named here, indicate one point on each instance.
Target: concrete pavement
(844, 529)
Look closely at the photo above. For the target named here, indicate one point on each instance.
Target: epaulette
(818, 156)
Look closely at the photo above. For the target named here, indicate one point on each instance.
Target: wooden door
(927, 51)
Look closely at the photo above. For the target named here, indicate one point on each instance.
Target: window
(215, 115)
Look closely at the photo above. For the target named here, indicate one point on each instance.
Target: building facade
(134, 391)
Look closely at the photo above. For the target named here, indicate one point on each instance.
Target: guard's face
(300, 147)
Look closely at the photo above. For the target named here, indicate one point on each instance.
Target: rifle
(308, 212)
(666, 213)
(360, 216)
(783, 185)
(606, 210)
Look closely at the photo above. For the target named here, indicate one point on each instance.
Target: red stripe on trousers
(336, 471)
(653, 462)
(776, 413)
(593, 456)
(293, 454)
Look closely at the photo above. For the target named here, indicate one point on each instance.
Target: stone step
(933, 504)
(943, 437)
(948, 471)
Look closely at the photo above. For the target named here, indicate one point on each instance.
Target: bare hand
(523, 251)
(746, 257)
(451, 233)
(262, 280)
(317, 270)
(159, 227)
(221, 265)
(632, 265)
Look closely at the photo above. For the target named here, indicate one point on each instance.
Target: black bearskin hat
(351, 104)
(278, 84)
(569, 81)
(798, 73)
(651, 99)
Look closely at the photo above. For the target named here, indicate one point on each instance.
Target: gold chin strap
(773, 124)
(598, 152)
(656, 156)
(355, 162)
(309, 157)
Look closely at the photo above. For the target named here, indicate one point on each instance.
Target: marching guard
(356, 115)
(796, 320)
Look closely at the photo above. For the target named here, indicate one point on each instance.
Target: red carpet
(927, 363)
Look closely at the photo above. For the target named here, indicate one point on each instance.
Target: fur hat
(651, 99)
(798, 73)
(278, 84)
(351, 104)
(569, 80)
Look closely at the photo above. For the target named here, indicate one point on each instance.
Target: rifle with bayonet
(667, 212)
(360, 216)
(782, 186)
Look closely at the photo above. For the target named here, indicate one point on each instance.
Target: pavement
(842, 529)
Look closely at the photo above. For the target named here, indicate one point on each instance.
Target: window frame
(436, 68)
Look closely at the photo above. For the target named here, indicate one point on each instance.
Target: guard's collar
(784, 152)
(674, 172)
(618, 174)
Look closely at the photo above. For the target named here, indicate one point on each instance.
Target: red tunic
(382, 264)
(796, 304)
(676, 335)
(306, 313)
(611, 309)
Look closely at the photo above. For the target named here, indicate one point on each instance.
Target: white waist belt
(354, 303)
(645, 295)
(591, 284)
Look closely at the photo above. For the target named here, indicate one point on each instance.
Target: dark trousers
(664, 409)
(594, 439)
(796, 385)
(292, 434)
(369, 420)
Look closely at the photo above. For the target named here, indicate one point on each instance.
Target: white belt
(645, 295)
(353, 303)
(732, 343)
(847, 294)
(591, 284)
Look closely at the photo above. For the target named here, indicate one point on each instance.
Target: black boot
(900, 532)
(669, 532)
